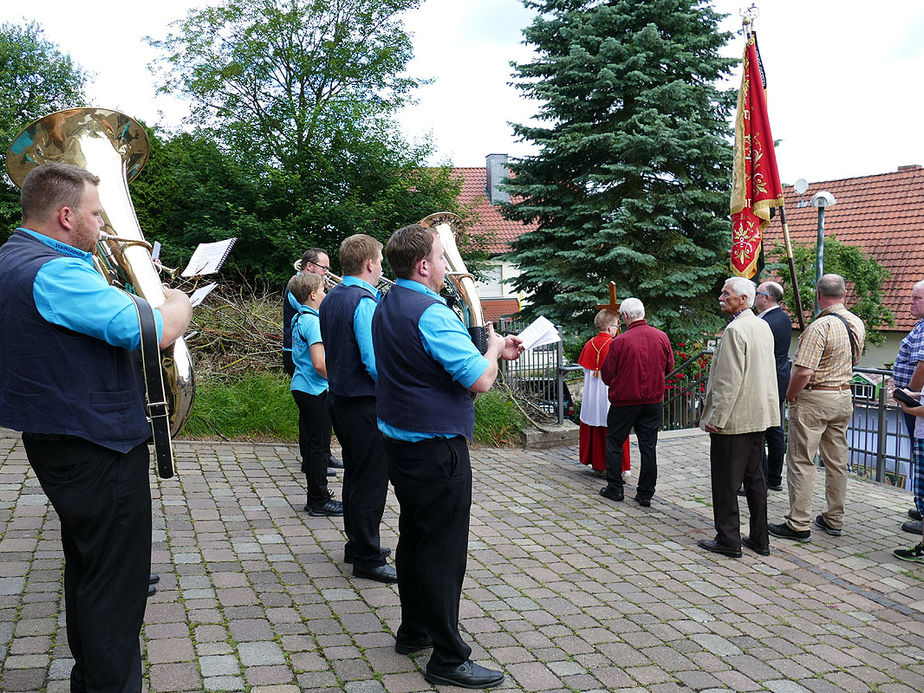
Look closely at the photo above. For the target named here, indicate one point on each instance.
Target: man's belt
(158, 412)
(826, 388)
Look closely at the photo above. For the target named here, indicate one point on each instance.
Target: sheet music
(540, 332)
(208, 258)
(199, 294)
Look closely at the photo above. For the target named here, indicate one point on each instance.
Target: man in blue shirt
(346, 330)
(427, 368)
(70, 381)
(908, 372)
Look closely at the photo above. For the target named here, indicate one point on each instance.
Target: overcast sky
(844, 87)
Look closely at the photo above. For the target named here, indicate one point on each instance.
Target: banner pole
(792, 267)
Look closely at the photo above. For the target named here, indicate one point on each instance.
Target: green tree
(864, 275)
(302, 94)
(36, 79)
(631, 179)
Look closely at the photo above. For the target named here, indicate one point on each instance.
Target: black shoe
(741, 491)
(386, 552)
(912, 527)
(821, 524)
(644, 502)
(331, 508)
(466, 675)
(381, 573)
(152, 590)
(716, 547)
(775, 487)
(154, 578)
(331, 471)
(914, 514)
(334, 463)
(614, 494)
(784, 531)
(407, 647)
(746, 540)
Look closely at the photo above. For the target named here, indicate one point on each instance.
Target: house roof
(878, 213)
(489, 219)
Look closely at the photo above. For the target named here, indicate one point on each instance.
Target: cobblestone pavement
(565, 590)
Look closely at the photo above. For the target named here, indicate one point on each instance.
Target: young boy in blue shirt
(309, 389)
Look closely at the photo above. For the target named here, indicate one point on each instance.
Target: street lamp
(821, 200)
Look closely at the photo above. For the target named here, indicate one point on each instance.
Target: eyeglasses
(326, 269)
(763, 293)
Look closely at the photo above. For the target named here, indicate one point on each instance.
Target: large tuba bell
(113, 147)
(462, 284)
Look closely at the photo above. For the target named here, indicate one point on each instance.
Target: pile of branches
(237, 329)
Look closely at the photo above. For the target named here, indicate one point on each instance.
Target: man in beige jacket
(741, 403)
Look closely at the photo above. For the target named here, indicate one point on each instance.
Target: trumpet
(331, 279)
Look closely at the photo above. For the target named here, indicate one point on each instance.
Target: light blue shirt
(306, 330)
(68, 291)
(444, 338)
(362, 322)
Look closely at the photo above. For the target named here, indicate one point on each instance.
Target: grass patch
(497, 420)
(253, 406)
(258, 406)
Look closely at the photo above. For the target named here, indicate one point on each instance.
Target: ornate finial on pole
(748, 16)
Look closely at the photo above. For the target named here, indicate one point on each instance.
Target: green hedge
(259, 406)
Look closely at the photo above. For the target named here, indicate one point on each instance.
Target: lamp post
(821, 200)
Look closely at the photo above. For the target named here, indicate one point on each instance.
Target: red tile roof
(880, 214)
(488, 217)
(496, 308)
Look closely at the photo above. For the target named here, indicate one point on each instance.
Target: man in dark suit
(767, 304)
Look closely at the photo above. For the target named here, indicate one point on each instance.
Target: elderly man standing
(908, 373)
(820, 406)
(741, 404)
(767, 303)
(634, 370)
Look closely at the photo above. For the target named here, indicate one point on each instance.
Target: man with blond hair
(346, 330)
(820, 407)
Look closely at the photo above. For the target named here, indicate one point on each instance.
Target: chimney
(910, 167)
(496, 166)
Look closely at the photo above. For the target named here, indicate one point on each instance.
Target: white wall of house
(496, 281)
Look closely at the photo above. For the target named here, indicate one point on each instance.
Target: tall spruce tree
(631, 179)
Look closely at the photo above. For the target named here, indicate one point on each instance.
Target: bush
(254, 406)
(259, 406)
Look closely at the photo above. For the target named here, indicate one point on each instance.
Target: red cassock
(592, 449)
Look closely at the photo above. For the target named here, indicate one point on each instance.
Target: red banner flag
(756, 183)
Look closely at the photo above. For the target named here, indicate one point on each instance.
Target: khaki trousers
(818, 423)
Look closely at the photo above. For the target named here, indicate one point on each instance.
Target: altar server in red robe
(595, 405)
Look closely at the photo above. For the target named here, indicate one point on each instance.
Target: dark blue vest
(346, 374)
(288, 312)
(414, 392)
(54, 380)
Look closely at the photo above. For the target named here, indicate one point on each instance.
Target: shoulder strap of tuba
(158, 412)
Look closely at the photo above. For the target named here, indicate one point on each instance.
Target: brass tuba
(113, 147)
(461, 283)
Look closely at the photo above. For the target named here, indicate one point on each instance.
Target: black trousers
(433, 484)
(314, 443)
(735, 459)
(103, 499)
(775, 453)
(646, 419)
(365, 477)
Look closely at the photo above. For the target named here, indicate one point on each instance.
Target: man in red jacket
(634, 369)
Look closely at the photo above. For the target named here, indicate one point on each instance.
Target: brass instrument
(461, 283)
(331, 279)
(113, 147)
